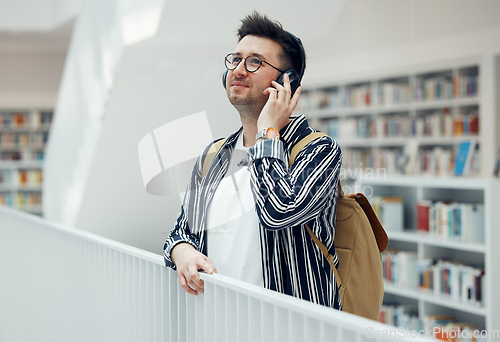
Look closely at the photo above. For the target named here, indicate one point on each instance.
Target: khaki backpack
(359, 240)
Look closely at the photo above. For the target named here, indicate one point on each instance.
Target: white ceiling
(21, 28)
(53, 40)
(37, 25)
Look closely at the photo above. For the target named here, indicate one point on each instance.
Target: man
(247, 214)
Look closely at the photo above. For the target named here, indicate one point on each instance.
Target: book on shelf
(32, 119)
(496, 171)
(412, 159)
(358, 96)
(28, 199)
(32, 177)
(7, 139)
(423, 208)
(439, 123)
(399, 268)
(393, 92)
(19, 119)
(410, 153)
(6, 199)
(23, 155)
(431, 322)
(471, 221)
(389, 210)
(430, 88)
(463, 158)
(333, 128)
(440, 327)
(466, 85)
(453, 279)
(457, 331)
(451, 220)
(425, 275)
(400, 315)
(35, 119)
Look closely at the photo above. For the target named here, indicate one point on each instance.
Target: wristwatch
(267, 133)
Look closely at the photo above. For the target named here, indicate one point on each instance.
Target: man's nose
(240, 69)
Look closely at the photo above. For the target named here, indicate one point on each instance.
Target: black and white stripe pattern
(286, 199)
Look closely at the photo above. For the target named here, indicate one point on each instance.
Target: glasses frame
(226, 61)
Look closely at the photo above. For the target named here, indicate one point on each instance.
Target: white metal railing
(62, 284)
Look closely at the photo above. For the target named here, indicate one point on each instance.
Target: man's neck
(249, 124)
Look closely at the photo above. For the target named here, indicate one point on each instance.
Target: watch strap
(267, 133)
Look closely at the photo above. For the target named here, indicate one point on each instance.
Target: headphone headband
(298, 44)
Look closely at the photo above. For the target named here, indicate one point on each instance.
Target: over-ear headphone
(295, 76)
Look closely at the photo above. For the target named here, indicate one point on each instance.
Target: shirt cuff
(268, 148)
(167, 252)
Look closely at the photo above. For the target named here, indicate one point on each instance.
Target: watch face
(272, 133)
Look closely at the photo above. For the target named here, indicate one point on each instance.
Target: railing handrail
(85, 235)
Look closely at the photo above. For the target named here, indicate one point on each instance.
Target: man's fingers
(194, 276)
(184, 284)
(194, 279)
(283, 91)
(208, 266)
(191, 282)
(295, 98)
(189, 278)
(272, 92)
(286, 83)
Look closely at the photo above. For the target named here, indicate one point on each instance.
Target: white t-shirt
(233, 237)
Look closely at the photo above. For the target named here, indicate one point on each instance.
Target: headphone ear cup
(224, 78)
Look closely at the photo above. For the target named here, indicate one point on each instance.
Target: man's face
(245, 89)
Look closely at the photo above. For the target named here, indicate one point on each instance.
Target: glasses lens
(252, 63)
(232, 61)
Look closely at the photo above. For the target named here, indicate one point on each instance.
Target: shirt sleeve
(289, 197)
(185, 226)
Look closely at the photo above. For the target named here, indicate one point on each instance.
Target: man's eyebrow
(251, 55)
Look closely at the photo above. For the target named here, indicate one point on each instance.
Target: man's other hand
(188, 261)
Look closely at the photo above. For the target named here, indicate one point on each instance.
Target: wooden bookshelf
(24, 133)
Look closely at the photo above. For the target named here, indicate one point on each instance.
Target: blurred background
(102, 74)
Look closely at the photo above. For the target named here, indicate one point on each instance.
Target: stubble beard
(249, 106)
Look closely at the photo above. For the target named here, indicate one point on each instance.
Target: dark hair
(256, 24)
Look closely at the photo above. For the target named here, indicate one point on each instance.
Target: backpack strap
(302, 143)
(216, 146)
(327, 255)
(293, 154)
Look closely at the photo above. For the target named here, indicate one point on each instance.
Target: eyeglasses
(252, 63)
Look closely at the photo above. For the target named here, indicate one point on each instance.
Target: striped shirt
(286, 199)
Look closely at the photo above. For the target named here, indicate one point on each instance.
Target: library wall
(178, 71)
(373, 36)
(30, 77)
